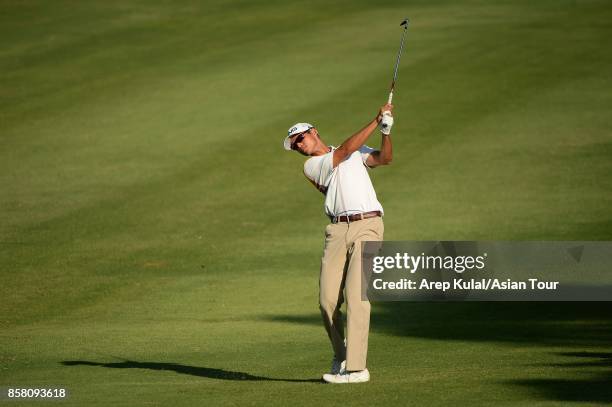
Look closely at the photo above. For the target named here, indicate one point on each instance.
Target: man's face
(305, 142)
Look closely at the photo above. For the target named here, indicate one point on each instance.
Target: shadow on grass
(208, 372)
(595, 388)
(574, 325)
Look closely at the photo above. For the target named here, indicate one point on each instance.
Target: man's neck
(321, 149)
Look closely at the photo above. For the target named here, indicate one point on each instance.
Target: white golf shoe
(345, 377)
(337, 366)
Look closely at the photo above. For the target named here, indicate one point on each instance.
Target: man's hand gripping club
(353, 143)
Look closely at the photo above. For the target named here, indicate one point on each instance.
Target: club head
(405, 23)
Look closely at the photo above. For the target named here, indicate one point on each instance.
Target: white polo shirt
(347, 187)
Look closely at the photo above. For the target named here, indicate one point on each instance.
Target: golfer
(340, 173)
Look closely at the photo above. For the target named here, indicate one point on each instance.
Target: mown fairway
(159, 248)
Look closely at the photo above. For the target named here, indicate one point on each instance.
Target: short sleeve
(309, 169)
(365, 152)
(319, 169)
(327, 164)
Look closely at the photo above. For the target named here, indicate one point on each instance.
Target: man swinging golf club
(356, 215)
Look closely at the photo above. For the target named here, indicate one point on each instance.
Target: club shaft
(399, 56)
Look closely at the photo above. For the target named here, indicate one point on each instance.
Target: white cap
(293, 130)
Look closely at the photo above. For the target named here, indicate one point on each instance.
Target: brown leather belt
(355, 217)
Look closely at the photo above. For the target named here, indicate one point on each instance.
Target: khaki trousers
(341, 279)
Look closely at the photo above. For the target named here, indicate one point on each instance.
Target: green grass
(158, 247)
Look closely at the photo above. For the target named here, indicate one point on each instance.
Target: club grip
(390, 97)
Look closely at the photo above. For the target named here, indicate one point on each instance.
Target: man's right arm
(322, 189)
(309, 175)
(358, 139)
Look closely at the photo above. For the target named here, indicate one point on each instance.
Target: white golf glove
(386, 123)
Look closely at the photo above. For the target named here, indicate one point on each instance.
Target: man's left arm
(382, 156)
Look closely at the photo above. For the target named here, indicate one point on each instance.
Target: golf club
(399, 55)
